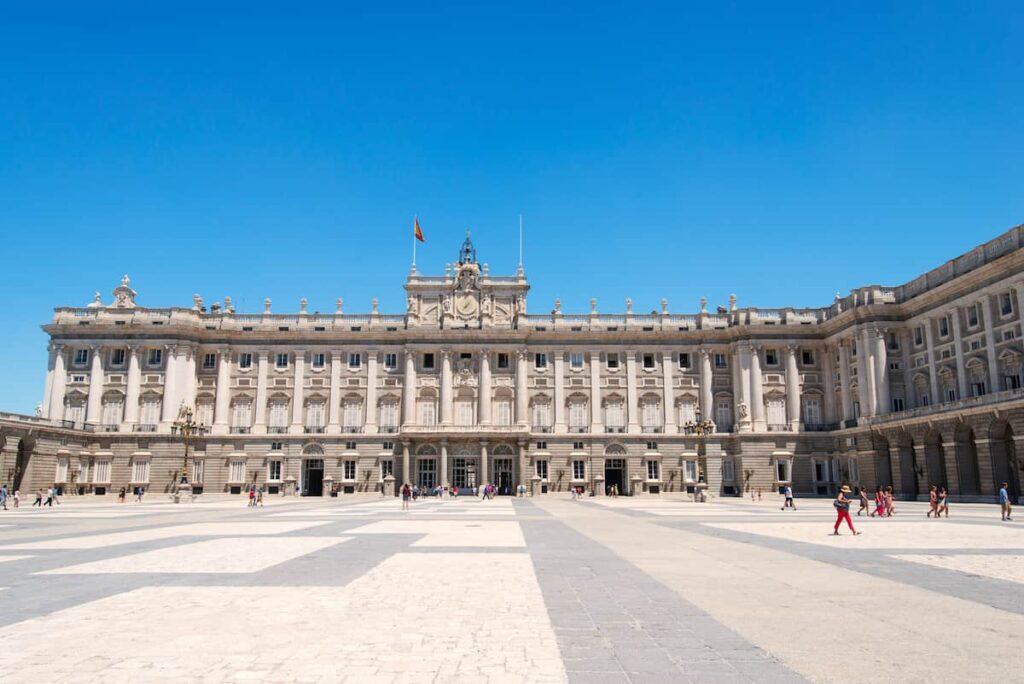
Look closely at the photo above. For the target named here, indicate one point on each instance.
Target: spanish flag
(416, 229)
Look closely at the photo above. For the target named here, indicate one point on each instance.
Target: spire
(467, 254)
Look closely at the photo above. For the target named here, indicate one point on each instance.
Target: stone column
(756, 390)
(406, 475)
(792, 389)
(483, 476)
(741, 378)
(222, 401)
(881, 357)
(864, 381)
(370, 410)
(669, 397)
(707, 408)
(845, 396)
(262, 365)
(933, 377)
(444, 463)
(446, 387)
(559, 363)
(334, 403)
(522, 391)
(485, 388)
(48, 390)
(189, 377)
(169, 403)
(987, 306)
(909, 392)
(632, 397)
(131, 400)
(595, 393)
(409, 389)
(60, 382)
(523, 479)
(94, 408)
(299, 393)
(958, 352)
(829, 382)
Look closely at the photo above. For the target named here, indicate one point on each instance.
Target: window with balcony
(723, 415)
(775, 413)
(650, 414)
(204, 412)
(316, 416)
(245, 361)
(281, 361)
(352, 415)
(81, 357)
(614, 415)
(578, 415)
(687, 412)
(612, 361)
(898, 404)
(156, 357)
(541, 416)
(390, 361)
(576, 360)
(389, 416)
(113, 412)
(278, 416)
(721, 361)
(241, 416)
(540, 361)
(149, 412)
(318, 360)
(812, 411)
(503, 411)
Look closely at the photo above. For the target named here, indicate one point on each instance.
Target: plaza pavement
(644, 589)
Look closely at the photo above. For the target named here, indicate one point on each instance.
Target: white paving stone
(229, 555)
(483, 533)
(1009, 567)
(95, 541)
(888, 534)
(8, 559)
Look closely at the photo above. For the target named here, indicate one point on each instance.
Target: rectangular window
(652, 446)
(807, 357)
(720, 361)
(389, 415)
(350, 446)
(579, 470)
(944, 326)
(236, 472)
(578, 416)
(388, 446)
(542, 446)
(541, 466)
(975, 345)
(612, 361)
(1009, 335)
(653, 469)
(978, 389)
(723, 416)
(783, 469)
(926, 400)
(690, 470)
(387, 467)
(117, 357)
(276, 446)
(140, 471)
(502, 412)
(279, 415)
(898, 404)
(951, 395)
(894, 342)
(391, 361)
(156, 357)
(81, 357)
(577, 446)
(648, 361)
(1005, 304)
(728, 470)
(274, 471)
(576, 360)
(281, 361)
(503, 360)
(1011, 382)
(318, 360)
(918, 336)
(972, 316)
(684, 361)
(428, 361)
(354, 360)
(245, 360)
(101, 472)
(771, 357)
(540, 360)
(541, 416)
(349, 472)
(812, 411)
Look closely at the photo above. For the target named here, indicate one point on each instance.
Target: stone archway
(908, 466)
(883, 461)
(1005, 466)
(935, 460)
(966, 451)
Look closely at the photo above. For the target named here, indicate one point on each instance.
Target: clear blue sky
(781, 151)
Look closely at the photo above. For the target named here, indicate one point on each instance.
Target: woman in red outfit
(842, 504)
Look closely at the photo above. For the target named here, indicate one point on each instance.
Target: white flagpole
(414, 219)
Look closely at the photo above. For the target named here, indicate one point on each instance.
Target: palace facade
(909, 385)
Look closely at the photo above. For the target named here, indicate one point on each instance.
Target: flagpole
(414, 244)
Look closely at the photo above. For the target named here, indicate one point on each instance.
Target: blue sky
(781, 151)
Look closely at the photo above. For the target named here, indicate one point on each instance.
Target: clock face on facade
(467, 306)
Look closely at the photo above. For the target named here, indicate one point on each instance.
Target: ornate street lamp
(700, 429)
(187, 429)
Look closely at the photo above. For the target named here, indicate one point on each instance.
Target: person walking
(863, 493)
(406, 496)
(252, 497)
(787, 493)
(3, 496)
(17, 498)
(121, 495)
(1004, 502)
(259, 497)
(39, 499)
(943, 503)
(142, 490)
(842, 504)
(879, 503)
(49, 497)
(890, 509)
(933, 503)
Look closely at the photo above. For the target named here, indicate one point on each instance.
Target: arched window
(650, 413)
(502, 407)
(113, 410)
(614, 414)
(541, 413)
(578, 413)
(389, 414)
(278, 414)
(464, 407)
(352, 414)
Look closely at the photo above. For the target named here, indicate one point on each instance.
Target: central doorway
(615, 475)
(428, 473)
(503, 475)
(313, 477)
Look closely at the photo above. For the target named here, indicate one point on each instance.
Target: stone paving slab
(1009, 567)
(886, 534)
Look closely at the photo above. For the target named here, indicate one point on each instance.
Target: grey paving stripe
(614, 623)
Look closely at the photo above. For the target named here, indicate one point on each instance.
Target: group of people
(255, 496)
(938, 502)
(885, 506)
(16, 497)
(51, 497)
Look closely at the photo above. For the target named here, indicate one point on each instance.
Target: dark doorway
(935, 460)
(908, 472)
(21, 464)
(967, 460)
(1004, 459)
(503, 475)
(313, 477)
(615, 475)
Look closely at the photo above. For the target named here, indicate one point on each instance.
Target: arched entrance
(21, 462)
(966, 460)
(908, 467)
(883, 462)
(312, 482)
(503, 458)
(615, 469)
(426, 467)
(935, 459)
(1004, 458)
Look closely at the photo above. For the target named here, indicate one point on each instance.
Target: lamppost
(700, 429)
(187, 428)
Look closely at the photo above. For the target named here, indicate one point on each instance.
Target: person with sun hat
(842, 504)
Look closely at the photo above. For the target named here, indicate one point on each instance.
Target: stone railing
(958, 405)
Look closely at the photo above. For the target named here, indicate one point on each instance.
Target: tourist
(120, 495)
(252, 497)
(863, 494)
(415, 492)
(455, 490)
(39, 499)
(406, 495)
(943, 502)
(753, 496)
(787, 493)
(259, 496)
(758, 493)
(142, 490)
(56, 495)
(933, 502)
(17, 498)
(49, 497)
(1004, 502)
(842, 504)
(879, 503)
(890, 509)
(3, 496)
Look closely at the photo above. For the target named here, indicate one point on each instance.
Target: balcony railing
(577, 429)
(389, 429)
(541, 428)
(144, 427)
(778, 427)
(957, 405)
(352, 429)
(313, 429)
(820, 427)
(110, 428)
(653, 428)
(277, 429)
(615, 428)
(240, 429)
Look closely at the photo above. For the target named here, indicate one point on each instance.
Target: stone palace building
(910, 385)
